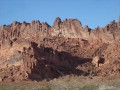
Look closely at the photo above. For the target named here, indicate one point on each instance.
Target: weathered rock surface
(38, 51)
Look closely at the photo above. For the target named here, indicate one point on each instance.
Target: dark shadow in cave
(53, 64)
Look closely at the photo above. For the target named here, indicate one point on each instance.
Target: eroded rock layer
(38, 51)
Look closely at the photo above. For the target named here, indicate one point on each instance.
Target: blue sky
(90, 12)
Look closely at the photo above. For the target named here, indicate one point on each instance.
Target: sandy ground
(66, 83)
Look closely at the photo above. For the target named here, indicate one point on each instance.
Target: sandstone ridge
(38, 51)
(68, 28)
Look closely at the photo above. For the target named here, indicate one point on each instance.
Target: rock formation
(38, 51)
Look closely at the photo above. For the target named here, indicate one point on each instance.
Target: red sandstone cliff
(39, 51)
